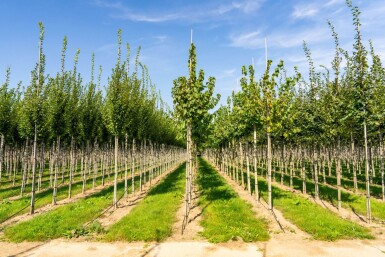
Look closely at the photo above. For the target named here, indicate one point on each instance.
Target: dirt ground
(277, 246)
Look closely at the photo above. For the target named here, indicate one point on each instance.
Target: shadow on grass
(213, 186)
(168, 184)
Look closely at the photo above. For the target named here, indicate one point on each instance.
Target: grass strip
(15, 190)
(153, 217)
(225, 215)
(9, 208)
(62, 220)
(315, 220)
(320, 223)
(356, 203)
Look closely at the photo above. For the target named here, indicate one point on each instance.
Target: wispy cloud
(305, 11)
(227, 74)
(125, 13)
(248, 40)
(310, 9)
(107, 48)
(283, 38)
(187, 13)
(160, 39)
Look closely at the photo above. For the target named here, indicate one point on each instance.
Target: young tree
(114, 110)
(192, 101)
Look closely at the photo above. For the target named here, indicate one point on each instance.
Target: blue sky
(227, 33)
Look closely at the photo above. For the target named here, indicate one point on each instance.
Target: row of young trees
(193, 98)
(334, 112)
(62, 112)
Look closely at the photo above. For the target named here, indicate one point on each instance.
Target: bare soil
(193, 228)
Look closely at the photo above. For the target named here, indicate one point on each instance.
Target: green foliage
(193, 98)
(62, 106)
(8, 107)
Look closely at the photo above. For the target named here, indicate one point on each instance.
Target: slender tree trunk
(368, 208)
(32, 206)
(25, 167)
(188, 167)
(57, 160)
(303, 172)
(269, 192)
(125, 165)
(283, 159)
(115, 202)
(381, 164)
(354, 163)
(1, 154)
(140, 167)
(133, 168)
(85, 158)
(255, 163)
(248, 170)
(242, 175)
(71, 168)
(315, 163)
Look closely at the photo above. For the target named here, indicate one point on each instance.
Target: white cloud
(107, 48)
(316, 8)
(250, 6)
(226, 74)
(191, 13)
(248, 40)
(284, 38)
(126, 13)
(305, 11)
(130, 15)
(334, 2)
(160, 39)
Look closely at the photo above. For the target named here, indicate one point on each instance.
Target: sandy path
(193, 227)
(63, 248)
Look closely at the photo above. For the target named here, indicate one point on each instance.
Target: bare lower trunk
(242, 175)
(115, 202)
(354, 163)
(368, 209)
(55, 181)
(381, 164)
(188, 167)
(248, 171)
(255, 163)
(338, 173)
(32, 206)
(133, 167)
(71, 168)
(269, 192)
(1, 154)
(125, 166)
(315, 163)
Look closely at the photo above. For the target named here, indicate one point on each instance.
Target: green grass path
(225, 215)
(153, 217)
